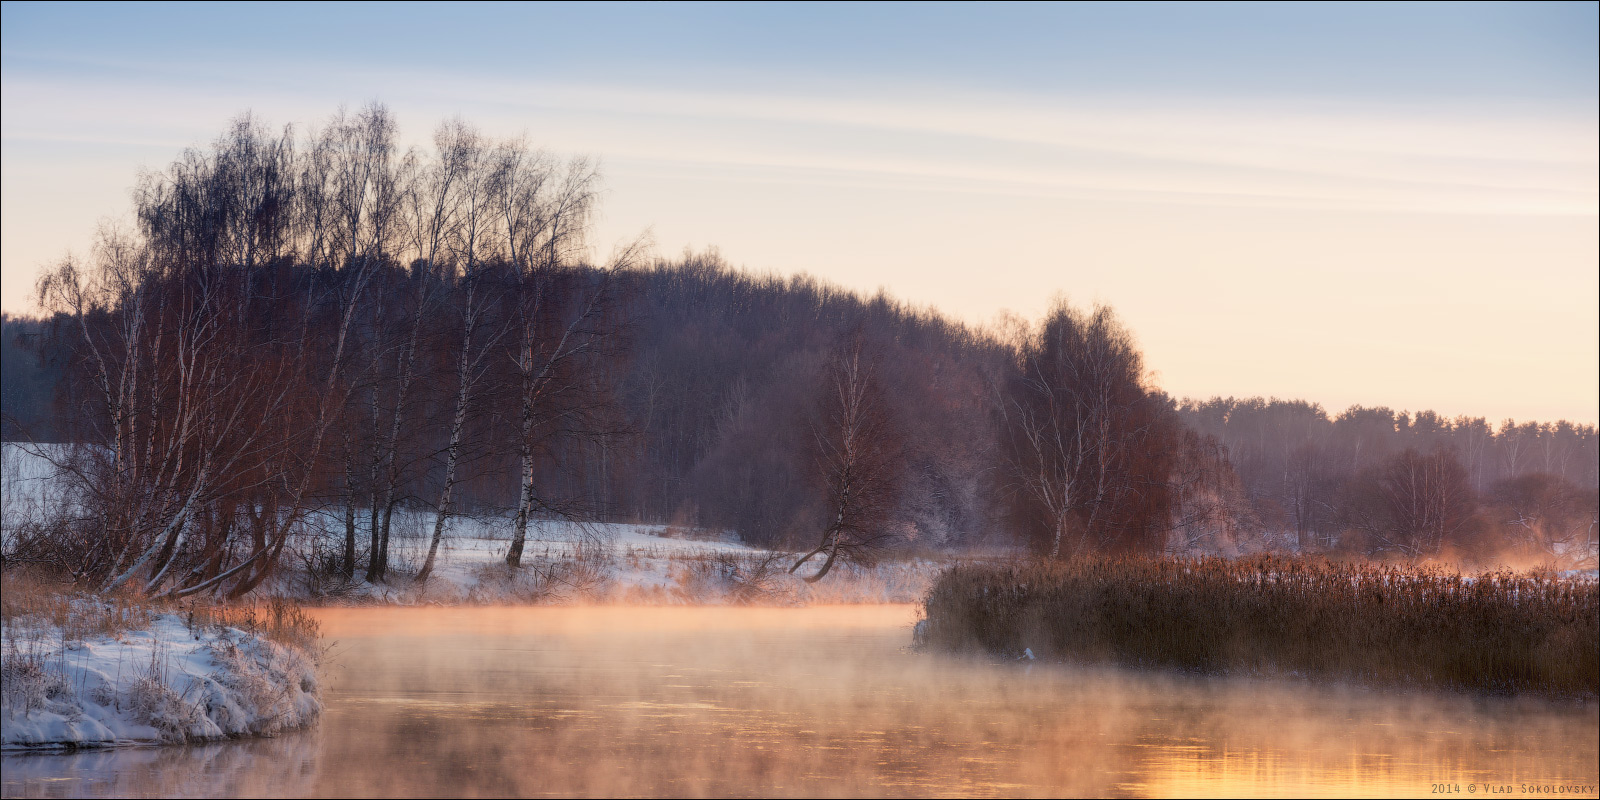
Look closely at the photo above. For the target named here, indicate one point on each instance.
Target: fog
(822, 701)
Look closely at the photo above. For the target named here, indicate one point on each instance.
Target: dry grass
(1497, 632)
(29, 677)
(274, 618)
(736, 578)
(30, 597)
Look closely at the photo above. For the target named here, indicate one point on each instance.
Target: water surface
(815, 702)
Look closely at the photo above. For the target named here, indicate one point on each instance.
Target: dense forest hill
(723, 381)
(715, 377)
(715, 396)
(27, 381)
(303, 334)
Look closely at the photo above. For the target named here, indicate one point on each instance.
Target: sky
(1377, 204)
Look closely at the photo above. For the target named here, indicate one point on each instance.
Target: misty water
(814, 701)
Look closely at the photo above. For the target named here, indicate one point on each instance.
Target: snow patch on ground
(30, 486)
(567, 562)
(167, 683)
(563, 561)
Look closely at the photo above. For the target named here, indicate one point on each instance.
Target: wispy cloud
(1450, 160)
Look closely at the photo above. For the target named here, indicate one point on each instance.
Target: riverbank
(79, 671)
(606, 563)
(564, 562)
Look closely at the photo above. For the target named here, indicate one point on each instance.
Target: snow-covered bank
(562, 562)
(566, 562)
(167, 682)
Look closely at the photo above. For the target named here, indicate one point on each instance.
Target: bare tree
(1411, 503)
(484, 184)
(858, 456)
(567, 330)
(1211, 512)
(1552, 519)
(1084, 445)
(361, 179)
(478, 298)
(207, 358)
(561, 318)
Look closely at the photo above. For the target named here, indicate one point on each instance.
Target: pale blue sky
(1393, 50)
(1383, 203)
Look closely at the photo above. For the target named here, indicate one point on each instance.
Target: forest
(302, 332)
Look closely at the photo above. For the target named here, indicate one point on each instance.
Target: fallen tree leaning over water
(1499, 632)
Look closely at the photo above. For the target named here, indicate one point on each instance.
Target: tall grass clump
(1500, 632)
(30, 599)
(33, 600)
(275, 618)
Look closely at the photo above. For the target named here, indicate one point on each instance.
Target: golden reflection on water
(815, 702)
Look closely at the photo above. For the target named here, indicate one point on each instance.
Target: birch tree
(561, 321)
(858, 454)
(481, 181)
(1085, 447)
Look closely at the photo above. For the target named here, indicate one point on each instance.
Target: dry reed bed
(76, 615)
(1498, 632)
(30, 600)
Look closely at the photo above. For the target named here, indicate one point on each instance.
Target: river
(823, 701)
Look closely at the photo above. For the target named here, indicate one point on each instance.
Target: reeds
(31, 598)
(1499, 632)
(275, 618)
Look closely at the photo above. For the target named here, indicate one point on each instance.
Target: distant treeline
(1344, 480)
(304, 333)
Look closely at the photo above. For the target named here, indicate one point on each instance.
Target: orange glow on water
(825, 701)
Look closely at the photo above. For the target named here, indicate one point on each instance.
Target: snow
(25, 463)
(166, 683)
(563, 561)
(28, 482)
(566, 562)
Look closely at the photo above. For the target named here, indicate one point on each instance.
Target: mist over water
(822, 701)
